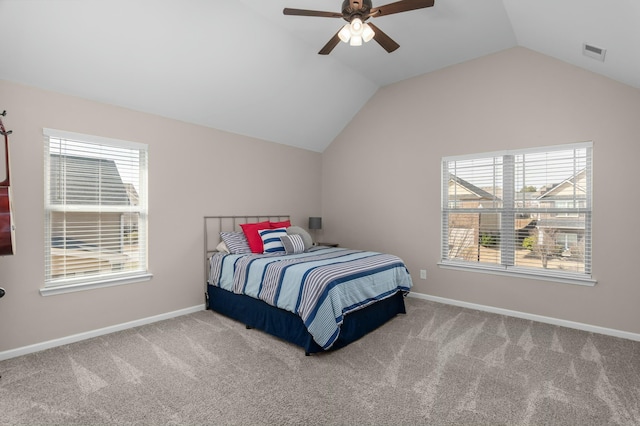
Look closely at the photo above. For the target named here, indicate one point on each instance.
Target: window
(525, 212)
(95, 211)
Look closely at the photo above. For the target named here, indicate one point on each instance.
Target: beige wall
(379, 180)
(194, 171)
(381, 176)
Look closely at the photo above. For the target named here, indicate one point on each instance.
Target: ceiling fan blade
(400, 6)
(304, 12)
(383, 39)
(330, 45)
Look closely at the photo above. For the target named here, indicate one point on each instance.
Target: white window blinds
(95, 209)
(525, 211)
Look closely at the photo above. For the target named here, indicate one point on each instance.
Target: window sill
(521, 273)
(90, 285)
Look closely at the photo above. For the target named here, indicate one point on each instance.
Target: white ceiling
(244, 67)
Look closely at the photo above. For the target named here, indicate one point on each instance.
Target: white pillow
(222, 247)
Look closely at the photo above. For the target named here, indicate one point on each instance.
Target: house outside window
(95, 211)
(523, 212)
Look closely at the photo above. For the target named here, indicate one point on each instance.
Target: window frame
(507, 210)
(61, 285)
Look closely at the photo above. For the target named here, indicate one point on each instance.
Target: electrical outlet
(423, 274)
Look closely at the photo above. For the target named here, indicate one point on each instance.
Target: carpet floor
(436, 365)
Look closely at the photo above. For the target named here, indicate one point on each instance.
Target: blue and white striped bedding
(321, 285)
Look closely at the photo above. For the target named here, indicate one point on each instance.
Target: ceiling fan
(357, 30)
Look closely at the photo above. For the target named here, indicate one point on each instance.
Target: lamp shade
(367, 33)
(345, 33)
(315, 223)
(356, 40)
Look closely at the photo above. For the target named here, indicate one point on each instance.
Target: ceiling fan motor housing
(355, 7)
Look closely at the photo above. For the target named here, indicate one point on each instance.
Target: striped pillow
(293, 244)
(236, 242)
(271, 239)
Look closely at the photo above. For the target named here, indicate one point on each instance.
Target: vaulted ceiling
(244, 67)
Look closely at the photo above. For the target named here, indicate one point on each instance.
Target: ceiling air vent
(594, 52)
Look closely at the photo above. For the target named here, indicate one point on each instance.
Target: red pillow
(251, 232)
(284, 224)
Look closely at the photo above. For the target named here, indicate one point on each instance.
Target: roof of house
(82, 185)
(576, 182)
(476, 192)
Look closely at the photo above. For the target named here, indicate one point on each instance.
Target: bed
(320, 298)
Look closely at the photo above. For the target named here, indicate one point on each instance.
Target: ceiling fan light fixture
(367, 33)
(357, 27)
(345, 33)
(356, 32)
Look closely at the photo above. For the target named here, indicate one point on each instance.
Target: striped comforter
(321, 286)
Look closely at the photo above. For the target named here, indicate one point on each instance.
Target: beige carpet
(436, 365)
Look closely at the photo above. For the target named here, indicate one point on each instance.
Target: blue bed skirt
(257, 314)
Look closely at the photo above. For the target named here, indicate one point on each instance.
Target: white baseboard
(532, 317)
(12, 353)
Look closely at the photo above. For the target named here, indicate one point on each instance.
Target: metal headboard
(213, 225)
